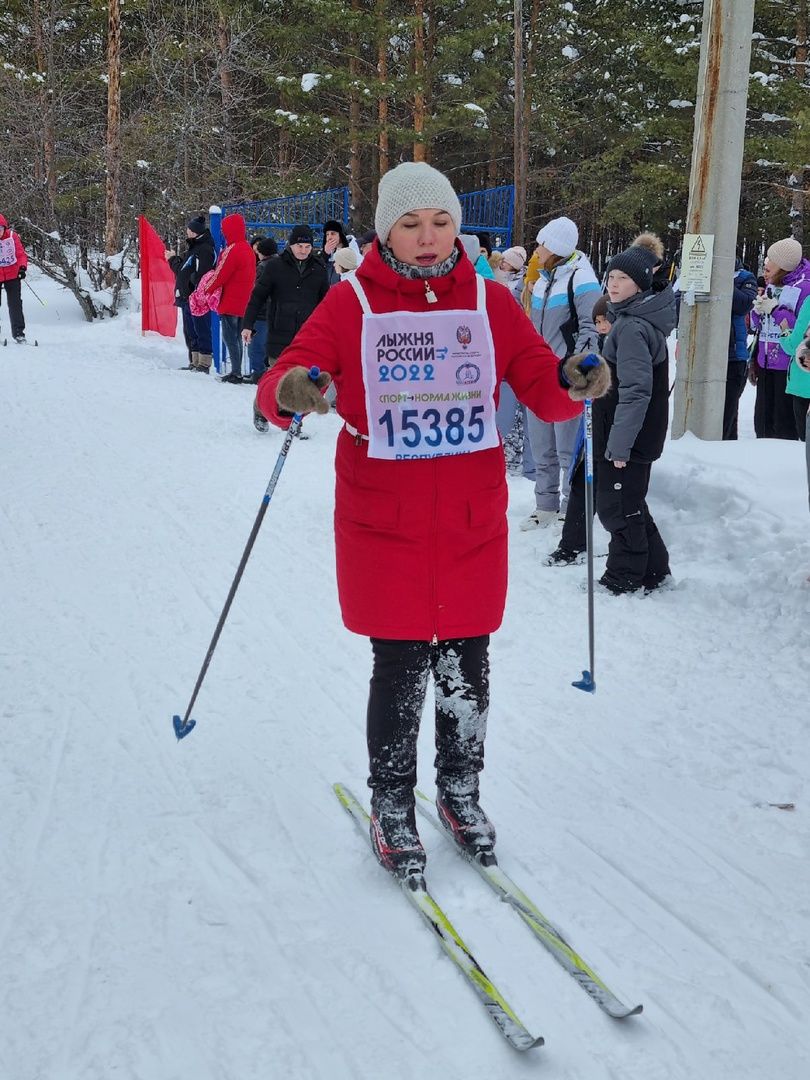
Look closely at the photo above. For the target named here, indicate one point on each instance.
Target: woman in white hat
(417, 345)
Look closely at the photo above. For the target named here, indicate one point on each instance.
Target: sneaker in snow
(564, 557)
(467, 824)
(540, 519)
(20, 339)
(394, 837)
(259, 422)
(231, 377)
(301, 434)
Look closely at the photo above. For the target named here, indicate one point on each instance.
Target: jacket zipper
(434, 600)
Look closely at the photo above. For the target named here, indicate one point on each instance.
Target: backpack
(570, 328)
(200, 302)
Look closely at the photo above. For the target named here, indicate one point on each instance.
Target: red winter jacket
(8, 273)
(421, 545)
(235, 271)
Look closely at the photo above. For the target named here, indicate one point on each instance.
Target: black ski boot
(393, 833)
(459, 812)
(565, 557)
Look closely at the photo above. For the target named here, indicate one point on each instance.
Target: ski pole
(588, 681)
(36, 294)
(185, 726)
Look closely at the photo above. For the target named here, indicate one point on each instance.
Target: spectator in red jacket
(235, 273)
(13, 268)
(417, 345)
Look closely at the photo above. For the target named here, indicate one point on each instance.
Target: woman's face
(423, 237)
(773, 274)
(620, 287)
(507, 267)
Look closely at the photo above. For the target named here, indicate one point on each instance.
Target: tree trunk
(383, 141)
(112, 233)
(226, 90)
(45, 166)
(520, 130)
(528, 97)
(797, 179)
(355, 191)
(419, 73)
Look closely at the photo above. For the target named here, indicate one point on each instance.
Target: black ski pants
(460, 669)
(736, 378)
(773, 411)
(13, 290)
(800, 408)
(637, 556)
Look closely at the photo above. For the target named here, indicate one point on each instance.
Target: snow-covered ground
(206, 911)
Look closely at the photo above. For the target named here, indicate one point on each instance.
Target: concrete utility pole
(713, 217)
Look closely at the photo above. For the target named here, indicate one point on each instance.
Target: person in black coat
(288, 289)
(188, 269)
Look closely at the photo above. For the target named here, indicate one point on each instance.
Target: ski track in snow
(206, 911)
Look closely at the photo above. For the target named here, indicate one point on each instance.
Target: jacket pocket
(370, 507)
(487, 507)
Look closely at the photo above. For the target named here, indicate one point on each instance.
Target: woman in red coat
(235, 274)
(417, 346)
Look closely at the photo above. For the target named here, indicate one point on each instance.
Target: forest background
(110, 110)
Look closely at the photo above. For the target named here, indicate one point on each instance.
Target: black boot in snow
(565, 557)
(466, 822)
(393, 834)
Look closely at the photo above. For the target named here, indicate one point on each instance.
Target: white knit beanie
(413, 185)
(345, 258)
(786, 254)
(560, 236)
(515, 256)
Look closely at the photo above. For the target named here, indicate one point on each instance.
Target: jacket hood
(563, 270)
(801, 272)
(656, 308)
(234, 228)
(372, 268)
(3, 222)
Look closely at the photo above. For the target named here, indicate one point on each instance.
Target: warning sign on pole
(696, 264)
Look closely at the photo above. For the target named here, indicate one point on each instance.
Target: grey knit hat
(413, 185)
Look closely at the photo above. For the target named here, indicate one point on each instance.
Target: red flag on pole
(157, 283)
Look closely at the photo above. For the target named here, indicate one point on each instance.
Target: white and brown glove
(803, 354)
(586, 375)
(300, 391)
(764, 305)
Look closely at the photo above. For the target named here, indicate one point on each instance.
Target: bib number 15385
(453, 428)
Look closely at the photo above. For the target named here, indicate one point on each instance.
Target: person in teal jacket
(798, 380)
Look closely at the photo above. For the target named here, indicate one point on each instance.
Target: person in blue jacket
(742, 300)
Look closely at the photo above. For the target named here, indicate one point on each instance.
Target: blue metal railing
(276, 217)
(491, 210)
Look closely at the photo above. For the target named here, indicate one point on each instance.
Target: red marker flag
(157, 283)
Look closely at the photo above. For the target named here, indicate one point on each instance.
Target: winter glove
(298, 392)
(803, 354)
(764, 305)
(21, 273)
(586, 375)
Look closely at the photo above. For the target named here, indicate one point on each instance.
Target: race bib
(8, 256)
(429, 380)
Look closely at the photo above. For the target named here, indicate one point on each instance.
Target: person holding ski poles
(417, 345)
(13, 268)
